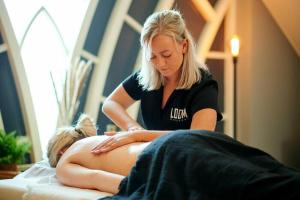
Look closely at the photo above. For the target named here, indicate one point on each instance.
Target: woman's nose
(160, 62)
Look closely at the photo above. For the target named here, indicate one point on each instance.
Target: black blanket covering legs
(207, 165)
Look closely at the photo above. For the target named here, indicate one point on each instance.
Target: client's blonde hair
(66, 136)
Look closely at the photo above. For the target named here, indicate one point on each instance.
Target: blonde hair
(66, 136)
(170, 23)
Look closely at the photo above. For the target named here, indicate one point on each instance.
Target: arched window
(46, 32)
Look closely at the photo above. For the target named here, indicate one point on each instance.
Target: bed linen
(207, 165)
(40, 182)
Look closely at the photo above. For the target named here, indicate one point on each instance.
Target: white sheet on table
(40, 182)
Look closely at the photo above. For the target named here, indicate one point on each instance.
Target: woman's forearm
(119, 115)
(107, 182)
(78, 176)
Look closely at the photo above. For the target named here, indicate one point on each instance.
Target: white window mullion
(207, 11)
(84, 30)
(90, 56)
(22, 85)
(220, 55)
(133, 23)
(211, 28)
(229, 30)
(1, 122)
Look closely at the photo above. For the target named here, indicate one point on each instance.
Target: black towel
(188, 164)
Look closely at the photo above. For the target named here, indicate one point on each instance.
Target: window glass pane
(123, 59)
(67, 15)
(20, 14)
(1, 40)
(49, 30)
(9, 102)
(141, 9)
(98, 26)
(103, 121)
(41, 57)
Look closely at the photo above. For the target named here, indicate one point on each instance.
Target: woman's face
(167, 55)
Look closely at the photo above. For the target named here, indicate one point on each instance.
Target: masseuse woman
(176, 92)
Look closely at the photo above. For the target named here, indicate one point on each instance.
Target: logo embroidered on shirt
(178, 114)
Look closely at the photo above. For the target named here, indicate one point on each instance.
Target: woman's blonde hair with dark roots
(172, 24)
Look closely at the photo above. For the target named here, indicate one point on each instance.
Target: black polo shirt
(181, 105)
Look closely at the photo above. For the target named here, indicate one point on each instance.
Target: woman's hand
(115, 140)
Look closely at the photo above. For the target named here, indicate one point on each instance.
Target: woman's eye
(167, 56)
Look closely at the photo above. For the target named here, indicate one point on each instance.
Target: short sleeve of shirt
(206, 96)
(132, 86)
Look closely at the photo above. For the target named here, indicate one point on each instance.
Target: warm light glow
(235, 46)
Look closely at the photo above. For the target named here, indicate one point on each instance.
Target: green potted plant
(12, 150)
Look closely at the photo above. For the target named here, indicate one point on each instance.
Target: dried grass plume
(75, 79)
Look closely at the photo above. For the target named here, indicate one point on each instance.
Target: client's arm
(75, 175)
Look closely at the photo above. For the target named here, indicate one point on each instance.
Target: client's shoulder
(88, 142)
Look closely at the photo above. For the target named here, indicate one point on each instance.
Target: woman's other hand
(115, 140)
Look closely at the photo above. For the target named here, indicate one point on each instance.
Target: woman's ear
(184, 46)
(62, 151)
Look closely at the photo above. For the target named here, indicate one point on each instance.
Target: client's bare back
(118, 161)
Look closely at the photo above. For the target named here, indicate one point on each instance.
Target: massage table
(40, 182)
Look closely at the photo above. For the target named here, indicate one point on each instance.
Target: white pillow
(40, 172)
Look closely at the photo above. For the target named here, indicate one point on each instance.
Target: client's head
(66, 136)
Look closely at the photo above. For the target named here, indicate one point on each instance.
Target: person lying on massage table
(69, 150)
(186, 162)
